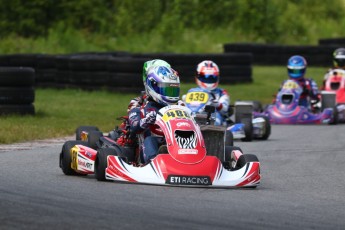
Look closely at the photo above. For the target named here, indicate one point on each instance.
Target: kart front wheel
(246, 158)
(65, 160)
(102, 162)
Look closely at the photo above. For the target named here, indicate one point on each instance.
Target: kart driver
(338, 63)
(296, 68)
(207, 78)
(162, 88)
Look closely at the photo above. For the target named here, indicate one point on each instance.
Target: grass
(60, 112)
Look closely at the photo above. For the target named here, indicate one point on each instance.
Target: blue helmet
(296, 66)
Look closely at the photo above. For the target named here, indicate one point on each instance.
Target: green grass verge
(60, 112)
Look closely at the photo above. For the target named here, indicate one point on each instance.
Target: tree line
(261, 20)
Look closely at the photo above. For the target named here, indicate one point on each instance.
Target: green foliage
(163, 25)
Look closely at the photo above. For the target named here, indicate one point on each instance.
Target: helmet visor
(208, 78)
(295, 71)
(167, 89)
(340, 62)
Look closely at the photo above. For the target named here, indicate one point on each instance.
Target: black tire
(246, 158)
(17, 76)
(131, 80)
(93, 138)
(24, 60)
(101, 162)
(11, 95)
(87, 62)
(86, 128)
(228, 150)
(65, 157)
(17, 109)
(89, 78)
(335, 117)
(267, 128)
(45, 76)
(248, 129)
(257, 106)
(229, 138)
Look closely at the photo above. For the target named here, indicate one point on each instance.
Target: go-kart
(186, 158)
(287, 110)
(335, 82)
(243, 125)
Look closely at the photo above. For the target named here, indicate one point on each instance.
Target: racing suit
(220, 99)
(141, 121)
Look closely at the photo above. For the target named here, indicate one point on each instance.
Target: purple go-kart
(286, 109)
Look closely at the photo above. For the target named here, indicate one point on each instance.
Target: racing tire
(17, 76)
(335, 119)
(101, 162)
(267, 128)
(246, 158)
(229, 138)
(84, 128)
(257, 106)
(93, 138)
(17, 95)
(65, 157)
(248, 129)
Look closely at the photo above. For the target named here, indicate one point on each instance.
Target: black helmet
(339, 58)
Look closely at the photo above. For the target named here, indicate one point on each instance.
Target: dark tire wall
(117, 71)
(17, 93)
(17, 76)
(268, 54)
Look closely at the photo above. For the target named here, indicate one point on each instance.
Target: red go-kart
(185, 159)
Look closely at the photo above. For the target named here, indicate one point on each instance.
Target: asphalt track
(302, 187)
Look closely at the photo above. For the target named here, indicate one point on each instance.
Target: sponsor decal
(187, 151)
(174, 85)
(84, 164)
(179, 124)
(189, 180)
(88, 154)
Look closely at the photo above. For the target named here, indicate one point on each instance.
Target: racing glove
(148, 120)
(216, 104)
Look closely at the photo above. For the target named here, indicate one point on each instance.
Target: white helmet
(207, 75)
(163, 85)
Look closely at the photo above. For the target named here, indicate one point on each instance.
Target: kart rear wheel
(335, 119)
(248, 129)
(65, 157)
(229, 138)
(93, 137)
(101, 162)
(86, 128)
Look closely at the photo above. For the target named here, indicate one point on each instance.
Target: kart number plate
(200, 97)
(189, 180)
(290, 85)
